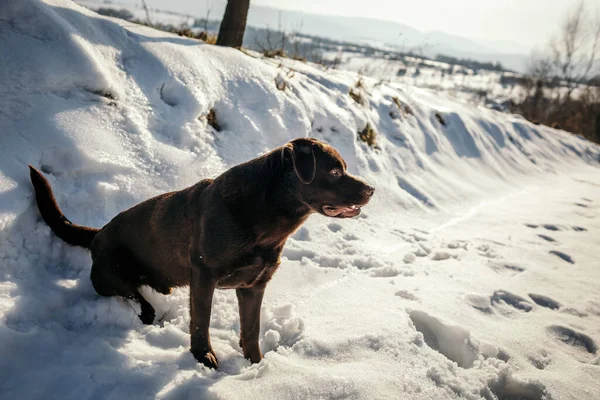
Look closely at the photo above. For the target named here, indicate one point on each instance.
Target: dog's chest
(254, 270)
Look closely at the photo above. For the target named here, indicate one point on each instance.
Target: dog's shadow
(199, 385)
(57, 332)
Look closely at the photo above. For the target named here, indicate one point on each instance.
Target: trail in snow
(454, 283)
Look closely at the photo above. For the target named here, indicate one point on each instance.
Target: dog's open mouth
(342, 212)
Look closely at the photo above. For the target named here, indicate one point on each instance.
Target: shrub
(357, 91)
(579, 115)
(404, 108)
(274, 53)
(356, 96)
(211, 119)
(368, 135)
(113, 12)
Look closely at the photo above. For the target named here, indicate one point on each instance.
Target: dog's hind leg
(148, 313)
(101, 284)
(107, 281)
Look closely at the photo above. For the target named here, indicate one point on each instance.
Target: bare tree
(570, 62)
(145, 7)
(539, 74)
(272, 43)
(207, 17)
(294, 39)
(574, 53)
(233, 25)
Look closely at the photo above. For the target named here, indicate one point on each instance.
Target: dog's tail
(56, 220)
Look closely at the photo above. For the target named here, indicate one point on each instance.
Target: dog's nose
(369, 190)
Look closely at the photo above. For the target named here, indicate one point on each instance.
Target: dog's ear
(302, 156)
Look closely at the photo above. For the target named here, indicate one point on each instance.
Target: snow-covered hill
(472, 274)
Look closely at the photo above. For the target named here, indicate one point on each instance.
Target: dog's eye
(336, 172)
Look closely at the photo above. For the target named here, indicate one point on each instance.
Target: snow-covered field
(473, 273)
(462, 83)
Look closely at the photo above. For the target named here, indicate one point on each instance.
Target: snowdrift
(114, 113)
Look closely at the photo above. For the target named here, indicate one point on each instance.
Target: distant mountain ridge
(511, 54)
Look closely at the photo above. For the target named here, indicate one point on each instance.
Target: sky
(529, 22)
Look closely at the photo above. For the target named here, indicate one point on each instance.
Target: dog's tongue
(335, 211)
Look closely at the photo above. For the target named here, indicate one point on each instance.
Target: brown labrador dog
(226, 233)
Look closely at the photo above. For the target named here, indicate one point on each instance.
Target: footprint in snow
(581, 205)
(441, 255)
(409, 258)
(454, 342)
(579, 342)
(334, 227)
(486, 251)
(422, 251)
(533, 226)
(507, 388)
(506, 269)
(480, 302)
(350, 237)
(302, 235)
(517, 302)
(551, 227)
(373, 166)
(573, 311)
(540, 360)
(297, 254)
(544, 301)
(562, 255)
(406, 295)
(579, 229)
(415, 238)
(460, 244)
(547, 238)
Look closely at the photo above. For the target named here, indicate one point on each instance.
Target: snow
(473, 273)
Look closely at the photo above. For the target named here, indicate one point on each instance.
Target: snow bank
(115, 113)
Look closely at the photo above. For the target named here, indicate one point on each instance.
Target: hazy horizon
(527, 24)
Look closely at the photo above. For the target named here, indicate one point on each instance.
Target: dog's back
(150, 239)
(156, 235)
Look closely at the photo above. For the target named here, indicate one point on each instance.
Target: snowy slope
(472, 274)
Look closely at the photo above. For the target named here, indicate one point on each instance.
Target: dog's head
(321, 180)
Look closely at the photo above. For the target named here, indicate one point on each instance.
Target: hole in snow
(501, 296)
(562, 255)
(454, 342)
(577, 340)
(544, 301)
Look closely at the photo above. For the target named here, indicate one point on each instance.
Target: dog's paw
(209, 359)
(254, 356)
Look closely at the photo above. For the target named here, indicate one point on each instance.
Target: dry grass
(274, 53)
(211, 119)
(404, 108)
(356, 96)
(208, 38)
(580, 116)
(358, 91)
(368, 135)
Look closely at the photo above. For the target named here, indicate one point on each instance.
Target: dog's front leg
(202, 288)
(249, 301)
